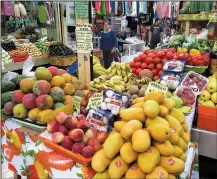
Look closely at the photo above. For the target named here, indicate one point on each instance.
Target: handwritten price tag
(152, 86)
(95, 100)
(77, 103)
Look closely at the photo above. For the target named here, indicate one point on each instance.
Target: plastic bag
(22, 9)
(10, 75)
(203, 35)
(27, 67)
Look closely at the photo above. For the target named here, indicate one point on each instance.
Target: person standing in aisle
(108, 44)
(155, 34)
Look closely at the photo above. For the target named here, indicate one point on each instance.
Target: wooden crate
(62, 61)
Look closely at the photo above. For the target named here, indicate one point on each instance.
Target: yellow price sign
(95, 100)
(215, 46)
(152, 86)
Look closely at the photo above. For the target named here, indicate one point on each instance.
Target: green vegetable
(6, 97)
(180, 38)
(175, 44)
(194, 45)
(7, 86)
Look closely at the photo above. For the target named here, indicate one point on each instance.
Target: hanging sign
(81, 9)
(152, 86)
(95, 100)
(215, 46)
(84, 38)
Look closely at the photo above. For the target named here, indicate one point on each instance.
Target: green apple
(212, 86)
(209, 103)
(184, 109)
(20, 111)
(178, 101)
(200, 101)
(169, 94)
(205, 95)
(214, 97)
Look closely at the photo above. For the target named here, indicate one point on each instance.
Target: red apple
(57, 137)
(61, 117)
(63, 129)
(77, 147)
(83, 124)
(71, 122)
(67, 142)
(76, 135)
(88, 151)
(93, 143)
(91, 133)
(102, 136)
(52, 126)
(81, 117)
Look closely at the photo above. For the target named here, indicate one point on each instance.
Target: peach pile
(74, 133)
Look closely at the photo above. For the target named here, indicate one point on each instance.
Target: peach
(57, 137)
(44, 101)
(67, 142)
(52, 126)
(93, 143)
(77, 147)
(71, 122)
(91, 133)
(102, 136)
(85, 139)
(88, 151)
(80, 117)
(17, 96)
(61, 117)
(53, 70)
(68, 99)
(41, 87)
(63, 129)
(76, 135)
(29, 101)
(83, 124)
(8, 108)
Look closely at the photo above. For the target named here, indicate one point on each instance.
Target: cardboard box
(62, 61)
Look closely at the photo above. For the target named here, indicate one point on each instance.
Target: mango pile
(150, 141)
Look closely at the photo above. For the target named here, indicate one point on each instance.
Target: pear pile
(209, 96)
(150, 141)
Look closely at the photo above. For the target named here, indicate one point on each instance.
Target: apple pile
(152, 60)
(84, 103)
(73, 133)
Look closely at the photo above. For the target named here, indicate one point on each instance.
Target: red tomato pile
(200, 60)
(152, 60)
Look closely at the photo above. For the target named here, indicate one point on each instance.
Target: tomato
(144, 65)
(138, 64)
(175, 56)
(151, 66)
(161, 54)
(206, 58)
(159, 66)
(149, 60)
(136, 59)
(198, 60)
(156, 78)
(132, 64)
(143, 57)
(160, 72)
(145, 51)
(154, 71)
(183, 56)
(172, 50)
(138, 71)
(169, 55)
(134, 70)
(163, 60)
(156, 61)
(152, 55)
(152, 51)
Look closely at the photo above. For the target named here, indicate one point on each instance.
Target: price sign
(84, 38)
(81, 9)
(152, 86)
(215, 46)
(95, 100)
(76, 103)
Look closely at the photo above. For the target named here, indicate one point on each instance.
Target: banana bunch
(98, 69)
(120, 69)
(141, 81)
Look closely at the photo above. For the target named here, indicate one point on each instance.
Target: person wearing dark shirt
(108, 44)
(155, 34)
(167, 27)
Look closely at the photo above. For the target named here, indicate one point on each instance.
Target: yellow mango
(168, 103)
(157, 120)
(138, 105)
(117, 168)
(138, 100)
(183, 157)
(99, 161)
(112, 145)
(151, 108)
(159, 132)
(175, 124)
(129, 128)
(156, 96)
(127, 153)
(134, 172)
(177, 151)
(163, 111)
(132, 113)
(185, 127)
(172, 164)
(165, 148)
(178, 115)
(112, 132)
(174, 137)
(182, 144)
(186, 137)
(141, 140)
(171, 176)
(119, 124)
(103, 175)
(148, 160)
(158, 173)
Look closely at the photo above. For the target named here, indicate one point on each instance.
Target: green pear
(212, 86)
(214, 97)
(20, 111)
(205, 95)
(209, 103)
(184, 109)
(200, 101)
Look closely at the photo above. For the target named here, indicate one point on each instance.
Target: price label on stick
(95, 100)
(152, 86)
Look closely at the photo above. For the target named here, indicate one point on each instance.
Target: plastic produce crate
(200, 69)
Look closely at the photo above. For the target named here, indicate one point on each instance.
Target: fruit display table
(27, 161)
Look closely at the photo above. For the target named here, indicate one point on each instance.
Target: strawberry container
(173, 65)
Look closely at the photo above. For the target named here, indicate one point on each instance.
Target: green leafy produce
(7, 86)
(43, 48)
(175, 44)
(6, 97)
(180, 38)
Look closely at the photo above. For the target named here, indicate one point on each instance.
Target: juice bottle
(212, 28)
